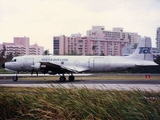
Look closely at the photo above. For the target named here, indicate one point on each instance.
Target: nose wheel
(15, 78)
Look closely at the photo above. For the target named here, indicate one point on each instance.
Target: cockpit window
(13, 60)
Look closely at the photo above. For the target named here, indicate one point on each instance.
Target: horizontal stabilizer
(148, 63)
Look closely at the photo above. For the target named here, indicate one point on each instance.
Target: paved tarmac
(147, 85)
(81, 74)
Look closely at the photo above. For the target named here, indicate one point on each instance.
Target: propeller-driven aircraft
(77, 64)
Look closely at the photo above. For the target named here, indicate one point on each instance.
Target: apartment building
(36, 50)
(116, 33)
(21, 46)
(98, 41)
(86, 45)
(158, 38)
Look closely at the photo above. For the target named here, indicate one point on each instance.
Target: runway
(147, 85)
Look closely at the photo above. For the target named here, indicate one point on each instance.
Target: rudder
(143, 50)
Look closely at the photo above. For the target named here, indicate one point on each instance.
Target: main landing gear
(71, 78)
(63, 78)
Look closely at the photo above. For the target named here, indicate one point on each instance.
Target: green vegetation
(62, 103)
(2, 71)
(46, 52)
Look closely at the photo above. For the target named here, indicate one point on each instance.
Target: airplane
(78, 64)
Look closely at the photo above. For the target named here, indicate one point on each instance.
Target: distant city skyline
(40, 20)
(98, 41)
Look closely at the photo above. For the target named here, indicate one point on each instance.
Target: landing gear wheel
(62, 79)
(15, 78)
(71, 78)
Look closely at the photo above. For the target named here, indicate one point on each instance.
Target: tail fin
(143, 50)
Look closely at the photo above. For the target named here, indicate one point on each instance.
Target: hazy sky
(40, 20)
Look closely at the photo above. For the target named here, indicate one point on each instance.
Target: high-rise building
(116, 33)
(158, 38)
(87, 45)
(98, 41)
(24, 43)
(21, 46)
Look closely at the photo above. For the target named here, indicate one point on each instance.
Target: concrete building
(158, 38)
(98, 41)
(21, 46)
(87, 45)
(116, 33)
(36, 50)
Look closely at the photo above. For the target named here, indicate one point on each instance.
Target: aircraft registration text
(53, 59)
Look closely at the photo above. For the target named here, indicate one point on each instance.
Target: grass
(2, 71)
(74, 103)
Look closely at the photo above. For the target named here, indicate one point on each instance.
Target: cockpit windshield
(13, 60)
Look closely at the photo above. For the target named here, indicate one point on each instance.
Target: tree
(135, 45)
(89, 54)
(46, 52)
(17, 53)
(102, 54)
(9, 57)
(2, 60)
(3, 51)
(73, 52)
(93, 47)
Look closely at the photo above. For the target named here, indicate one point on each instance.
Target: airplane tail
(143, 50)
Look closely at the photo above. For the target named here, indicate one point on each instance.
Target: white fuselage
(79, 63)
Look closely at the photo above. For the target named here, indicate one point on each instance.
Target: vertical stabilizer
(143, 50)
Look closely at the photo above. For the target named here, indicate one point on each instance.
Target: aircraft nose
(3, 65)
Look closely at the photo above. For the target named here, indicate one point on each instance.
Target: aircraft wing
(75, 69)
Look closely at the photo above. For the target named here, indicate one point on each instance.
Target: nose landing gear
(15, 78)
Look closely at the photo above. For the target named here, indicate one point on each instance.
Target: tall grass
(62, 103)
